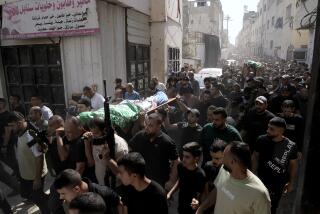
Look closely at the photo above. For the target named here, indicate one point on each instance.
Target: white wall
(88, 60)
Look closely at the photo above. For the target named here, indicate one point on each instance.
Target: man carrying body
(97, 100)
(158, 150)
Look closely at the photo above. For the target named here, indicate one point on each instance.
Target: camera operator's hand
(60, 132)
(88, 136)
(43, 148)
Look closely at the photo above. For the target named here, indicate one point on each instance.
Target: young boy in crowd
(191, 180)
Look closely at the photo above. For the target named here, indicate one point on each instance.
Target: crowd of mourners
(233, 146)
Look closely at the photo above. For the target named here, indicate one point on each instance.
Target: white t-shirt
(97, 101)
(46, 112)
(161, 86)
(247, 196)
(27, 157)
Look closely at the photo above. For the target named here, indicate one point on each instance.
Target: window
(272, 21)
(264, 7)
(268, 24)
(279, 23)
(173, 60)
(35, 69)
(138, 67)
(278, 2)
(199, 38)
(271, 44)
(201, 3)
(288, 12)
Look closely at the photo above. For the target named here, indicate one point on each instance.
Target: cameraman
(36, 119)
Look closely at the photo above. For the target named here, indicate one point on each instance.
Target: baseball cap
(261, 99)
(194, 111)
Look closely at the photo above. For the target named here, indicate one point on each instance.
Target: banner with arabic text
(49, 18)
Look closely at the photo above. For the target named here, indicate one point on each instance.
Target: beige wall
(142, 6)
(166, 31)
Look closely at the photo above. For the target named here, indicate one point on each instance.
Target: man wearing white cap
(255, 122)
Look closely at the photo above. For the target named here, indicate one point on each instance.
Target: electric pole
(227, 18)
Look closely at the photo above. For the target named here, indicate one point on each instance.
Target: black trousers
(8, 179)
(275, 196)
(4, 204)
(36, 196)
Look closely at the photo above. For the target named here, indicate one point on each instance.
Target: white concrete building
(203, 32)
(135, 41)
(276, 30)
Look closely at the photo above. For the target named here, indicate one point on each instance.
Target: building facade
(202, 32)
(133, 43)
(282, 29)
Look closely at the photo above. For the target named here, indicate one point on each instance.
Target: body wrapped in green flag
(121, 115)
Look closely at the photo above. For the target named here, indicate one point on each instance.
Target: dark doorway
(35, 69)
(138, 66)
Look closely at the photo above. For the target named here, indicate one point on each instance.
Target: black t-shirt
(110, 197)
(3, 123)
(188, 134)
(157, 154)
(76, 152)
(255, 125)
(295, 130)
(150, 200)
(53, 154)
(274, 158)
(203, 107)
(191, 185)
(219, 101)
(20, 109)
(211, 174)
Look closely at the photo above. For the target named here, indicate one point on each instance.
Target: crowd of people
(233, 146)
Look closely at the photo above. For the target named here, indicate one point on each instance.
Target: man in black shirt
(139, 194)
(56, 143)
(70, 185)
(188, 131)
(14, 100)
(295, 124)
(191, 181)
(218, 99)
(74, 150)
(212, 167)
(275, 160)
(255, 122)
(158, 150)
(88, 203)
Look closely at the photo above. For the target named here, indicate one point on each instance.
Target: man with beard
(219, 129)
(276, 102)
(218, 99)
(158, 150)
(31, 162)
(212, 167)
(237, 190)
(255, 122)
(203, 106)
(189, 131)
(275, 160)
(295, 124)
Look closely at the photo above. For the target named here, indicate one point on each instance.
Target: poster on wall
(25, 19)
